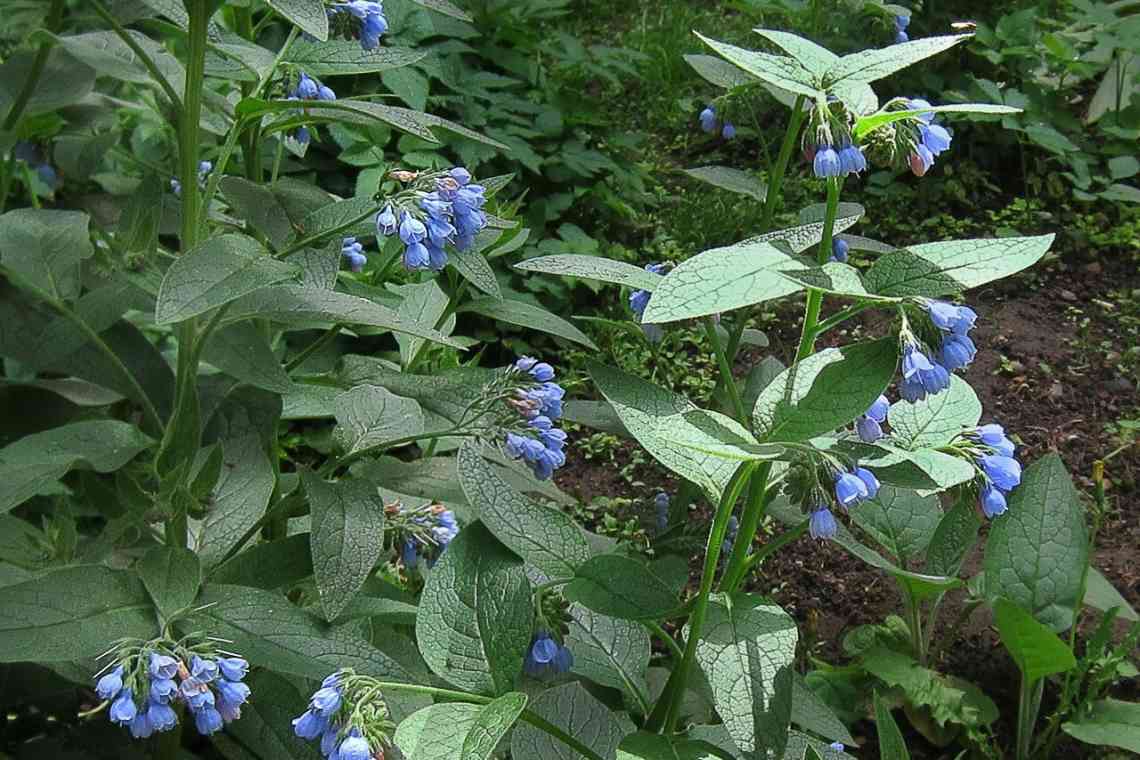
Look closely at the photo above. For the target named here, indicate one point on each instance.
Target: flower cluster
(204, 169)
(426, 220)
(547, 656)
(851, 488)
(349, 717)
(428, 529)
(358, 20)
(308, 88)
(922, 375)
(869, 426)
(639, 300)
(931, 140)
(839, 250)
(353, 254)
(711, 123)
(30, 155)
(993, 452)
(538, 400)
(827, 143)
(661, 504)
(901, 23)
(142, 690)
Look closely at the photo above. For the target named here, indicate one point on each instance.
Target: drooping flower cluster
(349, 716)
(353, 254)
(426, 530)
(451, 211)
(850, 487)
(538, 400)
(711, 123)
(925, 375)
(358, 20)
(308, 88)
(661, 505)
(994, 453)
(930, 140)
(204, 169)
(547, 656)
(30, 154)
(144, 684)
(839, 250)
(901, 23)
(869, 426)
(827, 143)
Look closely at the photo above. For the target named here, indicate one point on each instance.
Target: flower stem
(749, 524)
(815, 297)
(726, 371)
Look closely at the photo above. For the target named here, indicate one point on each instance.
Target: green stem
(749, 525)
(841, 316)
(1028, 703)
(666, 639)
(307, 241)
(914, 623)
(333, 465)
(675, 689)
(815, 297)
(770, 548)
(144, 58)
(39, 63)
(725, 371)
(328, 336)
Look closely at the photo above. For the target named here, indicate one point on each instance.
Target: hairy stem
(815, 297)
(758, 498)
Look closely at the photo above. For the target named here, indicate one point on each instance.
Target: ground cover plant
(275, 483)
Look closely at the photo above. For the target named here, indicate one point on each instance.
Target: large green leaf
(475, 617)
(938, 269)
(214, 273)
(337, 57)
(1037, 651)
(900, 520)
(892, 746)
(610, 651)
(621, 587)
(491, 725)
(268, 565)
(110, 55)
(1038, 549)
(30, 464)
(369, 416)
(527, 315)
(925, 470)
(172, 576)
(543, 536)
(592, 268)
(475, 268)
(870, 65)
(647, 746)
(780, 71)
(825, 391)
(41, 249)
(946, 699)
(670, 427)
(719, 72)
(243, 351)
(239, 498)
(733, 180)
(436, 732)
(937, 419)
(309, 15)
(572, 709)
(1110, 723)
(347, 537)
(870, 122)
(747, 652)
(815, 59)
(72, 613)
(811, 713)
(955, 536)
(259, 207)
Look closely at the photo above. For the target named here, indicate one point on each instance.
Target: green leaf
(369, 416)
(347, 537)
(475, 617)
(937, 269)
(869, 123)
(611, 652)
(309, 15)
(747, 652)
(1110, 723)
(825, 391)
(1102, 595)
(870, 65)
(343, 217)
(409, 85)
(306, 306)
(892, 746)
(268, 565)
(41, 249)
(243, 351)
(265, 728)
(109, 55)
(1037, 651)
(955, 536)
(172, 577)
(491, 725)
(592, 268)
(833, 277)
(307, 402)
(669, 427)
(528, 315)
(446, 8)
(70, 83)
(811, 713)
(239, 498)
(733, 180)
(30, 464)
(259, 207)
(946, 700)
(543, 536)
(214, 273)
(437, 732)
(572, 709)
(937, 419)
(1038, 550)
(340, 57)
(621, 587)
(900, 520)
(815, 59)
(647, 746)
(922, 470)
(1122, 193)
(475, 269)
(72, 613)
(274, 634)
(718, 71)
(780, 71)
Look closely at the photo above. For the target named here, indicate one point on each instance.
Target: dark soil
(1057, 390)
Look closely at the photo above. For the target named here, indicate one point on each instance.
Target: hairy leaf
(572, 709)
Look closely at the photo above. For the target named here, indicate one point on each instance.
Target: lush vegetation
(313, 311)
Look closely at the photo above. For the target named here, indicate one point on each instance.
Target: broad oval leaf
(436, 732)
(781, 71)
(339, 57)
(171, 576)
(733, 180)
(869, 65)
(238, 499)
(1037, 651)
(368, 416)
(592, 268)
(42, 249)
(572, 709)
(937, 419)
(815, 59)
(1111, 723)
(491, 725)
(309, 15)
(900, 520)
(527, 315)
(611, 652)
(621, 587)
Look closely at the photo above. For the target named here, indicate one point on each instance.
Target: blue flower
(901, 36)
(920, 160)
(162, 666)
(123, 709)
(234, 693)
(564, 660)
(310, 724)
(354, 747)
(957, 352)
(901, 23)
(916, 104)
(966, 319)
(325, 93)
(460, 175)
(307, 88)
(409, 554)
(851, 160)
(208, 721)
(446, 528)
(914, 361)
(546, 656)
(993, 435)
(826, 162)
(302, 135)
(868, 429)
(708, 119)
(849, 489)
(879, 409)
(729, 131)
(944, 315)
(140, 727)
(416, 256)
(921, 376)
(1004, 472)
(839, 249)
(386, 223)
(822, 523)
(992, 501)
(935, 137)
(233, 668)
(329, 740)
(161, 716)
(869, 480)
(162, 689)
(638, 300)
(412, 230)
(202, 669)
(110, 684)
(661, 503)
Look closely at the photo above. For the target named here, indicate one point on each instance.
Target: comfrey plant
(236, 436)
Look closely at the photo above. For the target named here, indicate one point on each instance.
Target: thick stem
(675, 689)
(726, 371)
(815, 297)
(749, 525)
(914, 623)
(1028, 702)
